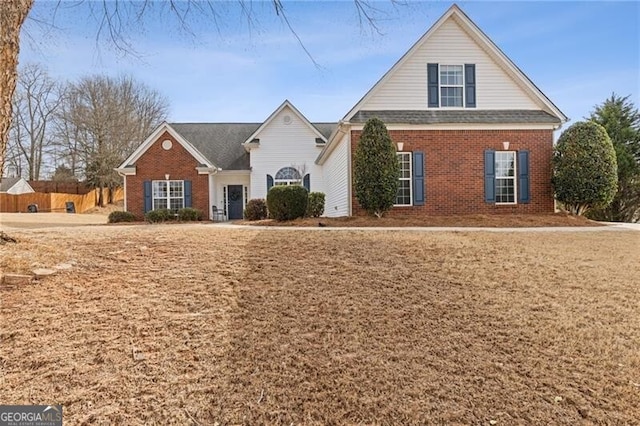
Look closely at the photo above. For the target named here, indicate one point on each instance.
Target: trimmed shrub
(375, 169)
(315, 207)
(256, 209)
(585, 168)
(159, 215)
(189, 214)
(287, 202)
(116, 217)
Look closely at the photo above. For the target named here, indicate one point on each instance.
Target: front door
(234, 194)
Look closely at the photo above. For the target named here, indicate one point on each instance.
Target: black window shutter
(489, 176)
(470, 85)
(187, 193)
(523, 177)
(418, 179)
(269, 182)
(433, 94)
(147, 196)
(306, 182)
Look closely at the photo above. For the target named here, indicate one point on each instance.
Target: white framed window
(168, 194)
(505, 162)
(287, 176)
(451, 86)
(403, 197)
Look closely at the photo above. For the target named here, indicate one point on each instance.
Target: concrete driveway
(49, 220)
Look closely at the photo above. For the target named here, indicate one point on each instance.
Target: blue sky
(577, 53)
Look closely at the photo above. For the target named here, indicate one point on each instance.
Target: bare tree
(34, 104)
(115, 19)
(12, 16)
(106, 118)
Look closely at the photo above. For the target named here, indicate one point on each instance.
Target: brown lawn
(338, 327)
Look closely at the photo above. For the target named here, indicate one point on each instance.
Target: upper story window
(288, 176)
(451, 85)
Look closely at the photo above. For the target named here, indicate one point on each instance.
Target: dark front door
(234, 193)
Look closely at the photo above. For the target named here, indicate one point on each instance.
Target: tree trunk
(12, 16)
(100, 195)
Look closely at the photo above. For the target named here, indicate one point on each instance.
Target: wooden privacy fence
(54, 202)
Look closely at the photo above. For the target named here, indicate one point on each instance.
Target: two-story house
(473, 134)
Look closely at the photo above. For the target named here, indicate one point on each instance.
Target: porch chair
(217, 215)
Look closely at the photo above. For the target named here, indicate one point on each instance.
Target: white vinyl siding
(407, 88)
(336, 176)
(284, 145)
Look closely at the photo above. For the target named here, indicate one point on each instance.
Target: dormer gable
(286, 115)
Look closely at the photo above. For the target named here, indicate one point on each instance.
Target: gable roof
(8, 182)
(153, 137)
(221, 143)
(454, 12)
(217, 145)
(282, 106)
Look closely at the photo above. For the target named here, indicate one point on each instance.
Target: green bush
(189, 214)
(256, 209)
(315, 206)
(159, 215)
(287, 202)
(584, 168)
(116, 217)
(375, 169)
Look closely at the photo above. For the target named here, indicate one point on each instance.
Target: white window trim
(283, 182)
(515, 178)
(410, 179)
(440, 85)
(168, 198)
(287, 182)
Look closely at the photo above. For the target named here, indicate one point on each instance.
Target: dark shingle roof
(325, 128)
(7, 183)
(221, 143)
(510, 116)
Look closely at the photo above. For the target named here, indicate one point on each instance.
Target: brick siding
(178, 163)
(454, 169)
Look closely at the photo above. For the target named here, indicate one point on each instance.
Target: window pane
(160, 203)
(404, 193)
(175, 189)
(505, 164)
(451, 75)
(505, 190)
(159, 189)
(176, 203)
(451, 96)
(288, 173)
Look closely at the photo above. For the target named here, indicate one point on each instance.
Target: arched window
(288, 176)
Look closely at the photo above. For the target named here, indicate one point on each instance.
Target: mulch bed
(481, 221)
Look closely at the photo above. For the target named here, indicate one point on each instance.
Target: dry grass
(281, 327)
(483, 221)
